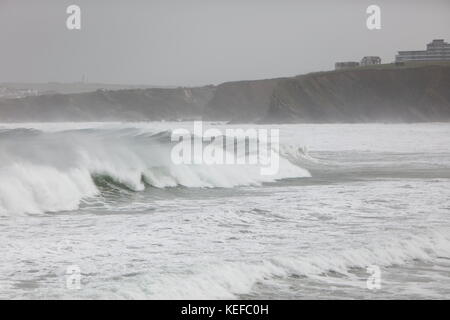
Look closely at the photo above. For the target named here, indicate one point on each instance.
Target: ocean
(99, 211)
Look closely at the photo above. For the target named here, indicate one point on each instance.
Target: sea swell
(339, 267)
(51, 172)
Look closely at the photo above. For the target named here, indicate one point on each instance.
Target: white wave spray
(50, 172)
(233, 279)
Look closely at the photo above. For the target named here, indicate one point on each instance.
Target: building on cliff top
(366, 61)
(346, 65)
(437, 50)
(370, 60)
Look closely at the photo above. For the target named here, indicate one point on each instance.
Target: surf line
(235, 146)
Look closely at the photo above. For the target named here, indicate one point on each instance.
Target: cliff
(364, 95)
(378, 94)
(242, 101)
(108, 105)
(385, 93)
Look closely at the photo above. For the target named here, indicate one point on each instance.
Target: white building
(370, 60)
(437, 50)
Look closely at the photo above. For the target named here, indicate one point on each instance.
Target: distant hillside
(384, 93)
(69, 87)
(364, 95)
(103, 105)
(241, 101)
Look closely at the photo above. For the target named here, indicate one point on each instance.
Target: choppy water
(105, 198)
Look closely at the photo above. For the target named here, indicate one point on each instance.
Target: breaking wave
(232, 280)
(50, 172)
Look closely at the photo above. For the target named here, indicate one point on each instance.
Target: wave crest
(49, 172)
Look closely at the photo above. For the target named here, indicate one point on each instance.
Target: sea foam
(49, 172)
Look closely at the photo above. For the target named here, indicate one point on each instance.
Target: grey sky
(196, 42)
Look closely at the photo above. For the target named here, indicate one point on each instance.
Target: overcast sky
(196, 42)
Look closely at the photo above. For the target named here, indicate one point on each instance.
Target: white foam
(34, 189)
(229, 280)
(54, 171)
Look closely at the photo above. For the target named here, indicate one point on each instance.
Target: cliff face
(364, 95)
(243, 101)
(387, 94)
(381, 94)
(102, 105)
